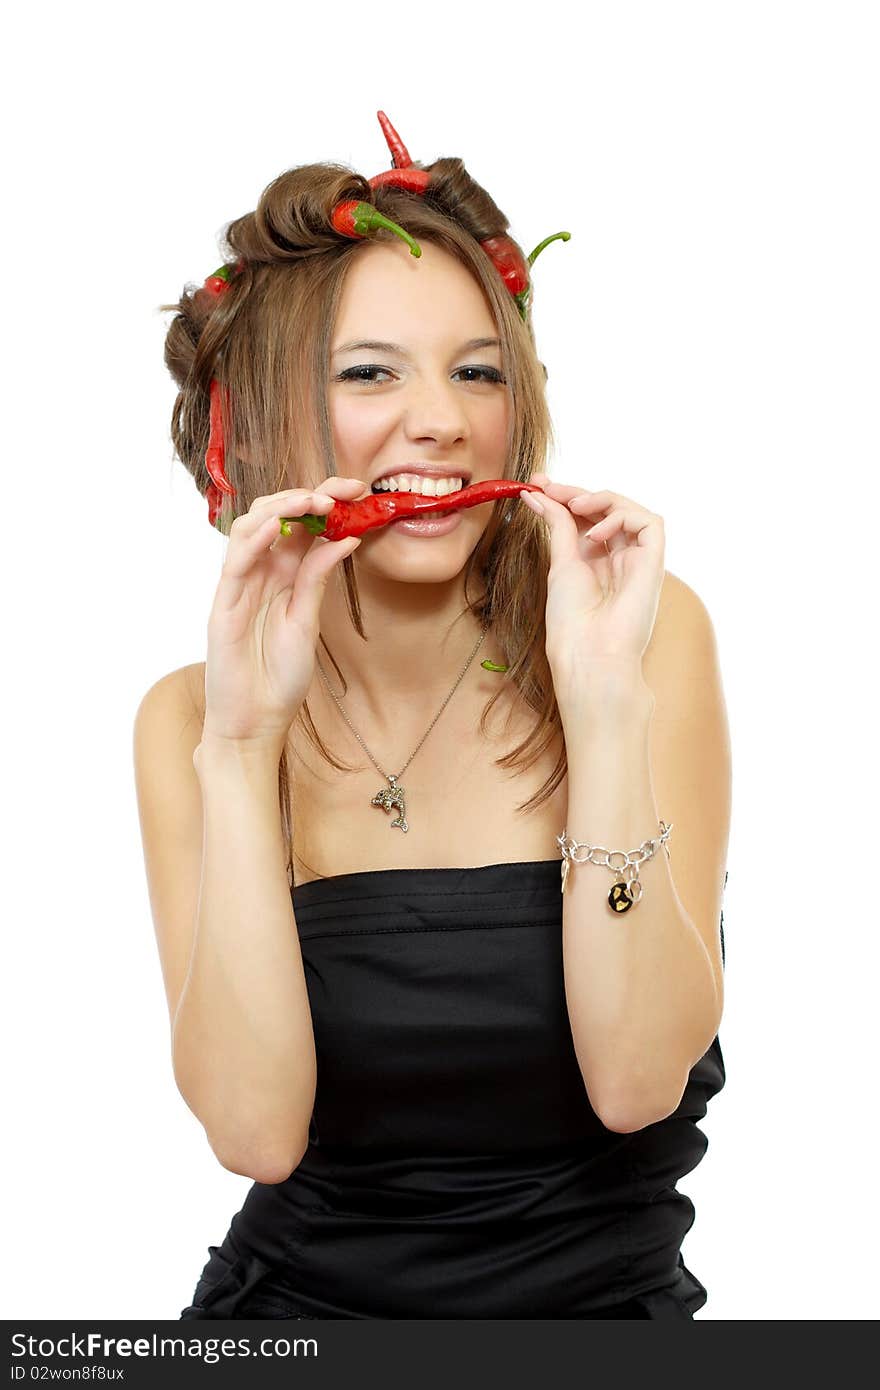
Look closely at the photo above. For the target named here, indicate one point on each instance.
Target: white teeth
(427, 487)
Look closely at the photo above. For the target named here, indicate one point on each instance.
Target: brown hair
(268, 339)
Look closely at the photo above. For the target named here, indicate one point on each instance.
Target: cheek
(492, 428)
(355, 425)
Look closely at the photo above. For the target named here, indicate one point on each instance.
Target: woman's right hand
(264, 623)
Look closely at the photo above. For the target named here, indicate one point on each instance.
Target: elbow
(266, 1152)
(259, 1162)
(625, 1111)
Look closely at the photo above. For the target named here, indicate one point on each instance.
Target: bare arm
(645, 991)
(243, 1046)
(242, 1043)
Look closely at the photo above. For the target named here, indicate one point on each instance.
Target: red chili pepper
(356, 219)
(513, 269)
(413, 180)
(399, 153)
(401, 174)
(502, 250)
(219, 281)
(380, 508)
(215, 502)
(509, 262)
(215, 455)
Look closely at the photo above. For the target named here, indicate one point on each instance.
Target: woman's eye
(366, 374)
(356, 374)
(487, 373)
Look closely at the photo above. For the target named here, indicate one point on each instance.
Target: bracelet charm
(627, 889)
(619, 899)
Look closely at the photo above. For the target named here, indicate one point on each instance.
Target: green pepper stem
(564, 236)
(492, 666)
(315, 525)
(368, 215)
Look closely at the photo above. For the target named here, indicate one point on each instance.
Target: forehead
(387, 288)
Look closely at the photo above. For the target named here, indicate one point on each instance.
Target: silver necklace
(392, 797)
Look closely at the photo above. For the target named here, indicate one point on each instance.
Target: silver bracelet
(627, 890)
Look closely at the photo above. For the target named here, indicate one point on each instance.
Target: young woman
(460, 1091)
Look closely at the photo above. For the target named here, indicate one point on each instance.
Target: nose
(434, 410)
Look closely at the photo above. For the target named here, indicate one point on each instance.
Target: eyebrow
(374, 345)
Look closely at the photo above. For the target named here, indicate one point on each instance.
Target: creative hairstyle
(267, 339)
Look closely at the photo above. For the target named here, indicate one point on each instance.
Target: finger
(248, 543)
(580, 502)
(326, 493)
(625, 522)
(256, 533)
(561, 492)
(294, 502)
(592, 503)
(343, 487)
(563, 527)
(311, 579)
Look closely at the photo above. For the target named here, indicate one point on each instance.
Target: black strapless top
(456, 1168)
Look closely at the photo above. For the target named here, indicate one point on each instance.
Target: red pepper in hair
(412, 180)
(401, 174)
(215, 455)
(509, 262)
(215, 502)
(399, 153)
(218, 282)
(355, 219)
(514, 271)
(354, 518)
(502, 250)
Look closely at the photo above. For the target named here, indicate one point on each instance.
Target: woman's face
(428, 401)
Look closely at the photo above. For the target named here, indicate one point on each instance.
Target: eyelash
(489, 374)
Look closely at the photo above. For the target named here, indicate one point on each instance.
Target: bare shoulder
(192, 685)
(676, 592)
(182, 689)
(682, 620)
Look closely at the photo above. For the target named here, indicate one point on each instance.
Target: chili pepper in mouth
(380, 508)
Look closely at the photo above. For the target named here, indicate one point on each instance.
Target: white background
(711, 333)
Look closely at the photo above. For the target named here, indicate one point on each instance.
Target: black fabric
(456, 1168)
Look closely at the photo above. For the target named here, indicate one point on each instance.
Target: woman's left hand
(603, 590)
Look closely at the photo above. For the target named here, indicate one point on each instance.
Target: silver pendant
(390, 799)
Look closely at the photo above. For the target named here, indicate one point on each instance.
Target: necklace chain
(389, 777)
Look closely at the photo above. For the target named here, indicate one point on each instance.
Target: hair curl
(268, 339)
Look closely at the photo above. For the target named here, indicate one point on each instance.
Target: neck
(418, 638)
